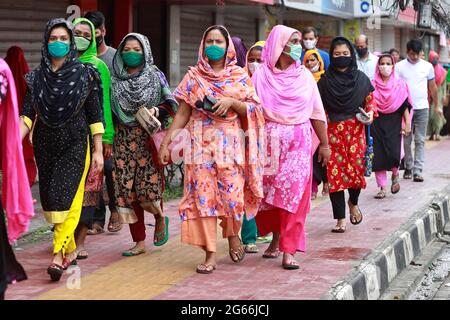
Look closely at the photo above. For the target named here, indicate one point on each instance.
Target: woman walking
(392, 98)
(65, 98)
(15, 195)
(84, 32)
(223, 180)
(137, 83)
(345, 89)
(313, 61)
(293, 111)
(437, 121)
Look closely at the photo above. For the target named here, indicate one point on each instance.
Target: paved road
(169, 272)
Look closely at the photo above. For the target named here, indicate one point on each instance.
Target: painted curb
(370, 279)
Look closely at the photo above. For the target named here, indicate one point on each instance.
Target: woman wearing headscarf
(254, 58)
(293, 112)
(437, 121)
(15, 191)
(19, 68)
(393, 102)
(136, 83)
(249, 230)
(65, 98)
(84, 32)
(345, 89)
(223, 168)
(313, 61)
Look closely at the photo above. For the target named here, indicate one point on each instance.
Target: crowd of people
(265, 127)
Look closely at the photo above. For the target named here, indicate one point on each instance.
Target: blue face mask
(58, 49)
(296, 51)
(214, 53)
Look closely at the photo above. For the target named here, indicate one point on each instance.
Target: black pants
(100, 213)
(338, 202)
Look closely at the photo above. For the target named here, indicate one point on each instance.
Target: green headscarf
(90, 56)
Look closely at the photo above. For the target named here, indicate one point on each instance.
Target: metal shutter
(242, 27)
(22, 23)
(193, 23)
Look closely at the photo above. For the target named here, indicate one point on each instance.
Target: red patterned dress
(347, 139)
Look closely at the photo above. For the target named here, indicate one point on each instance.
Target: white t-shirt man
(417, 77)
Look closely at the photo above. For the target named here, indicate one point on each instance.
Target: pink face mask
(386, 70)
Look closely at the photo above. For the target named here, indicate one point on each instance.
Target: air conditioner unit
(425, 16)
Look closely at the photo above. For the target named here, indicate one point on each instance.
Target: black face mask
(341, 62)
(362, 52)
(99, 40)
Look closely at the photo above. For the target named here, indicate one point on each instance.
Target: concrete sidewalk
(169, 272)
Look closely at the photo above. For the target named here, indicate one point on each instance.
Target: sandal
(271, 254)
(338, 229)
(205, 268)
(291, 265)
(133, 252)
(95, 230)
(418, 178)
(82, 256)
(251, 248)
(159, 235)
(67, 263)
(114, 225)
(380, 195)
(314, 196)
(55, 271)
(237, 256)
(395, 187)
(407, 174)
(265, 239)
(353, 215)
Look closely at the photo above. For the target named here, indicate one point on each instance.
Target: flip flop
(95, 230)
(353, 219)
(114, 225)
(395, 187)
(251, 248)
(380, 195)
(338, 229)
(205, 268)
(269, 254)
(159, 234)
(82, 256)
(133, 252)
(237, 256)
(291, 265)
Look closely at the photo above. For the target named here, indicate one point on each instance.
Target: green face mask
(132, 59)
(82, 43)
(58, 49)
(214, 53)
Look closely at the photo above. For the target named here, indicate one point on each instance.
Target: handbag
(368, 155)
(174, 147)
(148, 121)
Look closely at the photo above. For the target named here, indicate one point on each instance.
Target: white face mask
(253, 66)
(315, 68)
(386, 70)
(309, 44)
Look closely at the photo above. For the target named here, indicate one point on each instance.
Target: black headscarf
(57, 96)
(344, 92)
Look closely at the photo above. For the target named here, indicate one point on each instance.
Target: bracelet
(325, 148)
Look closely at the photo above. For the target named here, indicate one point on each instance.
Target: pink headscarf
(288, 96)
(391, 95)
(16, 192)
(439, 70)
